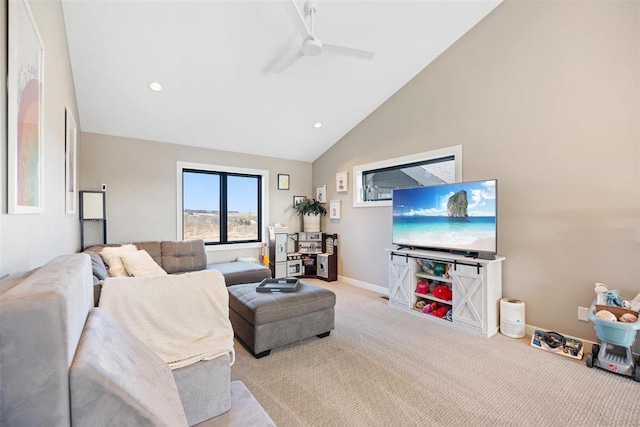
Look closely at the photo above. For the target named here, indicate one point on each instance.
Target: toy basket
(616, 333)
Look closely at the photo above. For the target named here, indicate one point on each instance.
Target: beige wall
(141, 185)
(28, 241)
(543, 96)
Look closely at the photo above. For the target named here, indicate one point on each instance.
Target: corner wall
(545, 97)
(28, 241)
(141, 185)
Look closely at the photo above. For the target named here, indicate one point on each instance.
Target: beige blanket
(184, 318)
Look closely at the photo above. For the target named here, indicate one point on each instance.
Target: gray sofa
(64, 362)
(183, 256)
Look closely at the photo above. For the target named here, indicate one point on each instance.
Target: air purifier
(512, 318)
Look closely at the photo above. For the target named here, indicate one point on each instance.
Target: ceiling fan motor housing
(312, 47)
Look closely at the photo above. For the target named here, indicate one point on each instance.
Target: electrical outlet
(104, 187)
(583, 314)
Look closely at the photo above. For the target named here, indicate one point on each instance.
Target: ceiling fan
(312, 46)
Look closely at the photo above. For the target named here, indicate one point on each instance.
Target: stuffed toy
(438, 269)
(422, 287)
(442, 292)
(614, 299)
(446, 274)
(606, 297)
(601, 293)
(434, 284)
(420, 304)
(448, 315)
(440, 312)
(634, 304)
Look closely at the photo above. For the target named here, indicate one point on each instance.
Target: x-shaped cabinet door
(399, 282)
(467, 296)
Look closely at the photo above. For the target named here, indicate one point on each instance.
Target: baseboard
(385, 291)
(357, 283)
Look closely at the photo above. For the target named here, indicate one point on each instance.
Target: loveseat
(183, 256)
(64, 362)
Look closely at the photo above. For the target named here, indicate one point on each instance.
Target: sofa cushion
(112, 257)
(204, 388)
(140, 264)
(183, 256)
(239, 272)
(116, 380)
(152, 247)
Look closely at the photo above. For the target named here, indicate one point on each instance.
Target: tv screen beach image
(459, 216)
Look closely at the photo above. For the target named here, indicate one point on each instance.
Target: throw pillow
(97, 266)
(111, 256)
(140, 264)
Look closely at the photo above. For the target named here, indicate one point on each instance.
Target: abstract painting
(25, 112)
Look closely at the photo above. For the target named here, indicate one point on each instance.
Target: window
(374, 182)
(221, 205)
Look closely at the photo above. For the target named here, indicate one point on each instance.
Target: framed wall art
(25, 89)
(335, 209)
(283, 181)
(298, 199)
(342, 182)
(321, 193)
(71, 137)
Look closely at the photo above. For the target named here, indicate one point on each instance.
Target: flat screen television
(459, 217)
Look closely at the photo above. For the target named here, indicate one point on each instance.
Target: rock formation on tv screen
(457, 205)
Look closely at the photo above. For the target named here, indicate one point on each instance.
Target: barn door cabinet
(476, 287)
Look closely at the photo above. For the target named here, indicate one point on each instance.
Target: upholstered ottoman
(263, 321)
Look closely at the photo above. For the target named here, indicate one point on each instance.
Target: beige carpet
(384, 367)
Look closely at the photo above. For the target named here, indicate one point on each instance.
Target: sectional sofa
(65, 362)
(177, 257)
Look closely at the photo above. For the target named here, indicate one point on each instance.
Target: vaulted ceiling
(217, 61)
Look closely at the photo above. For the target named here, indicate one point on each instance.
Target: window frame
(264, 204)
(359, 170)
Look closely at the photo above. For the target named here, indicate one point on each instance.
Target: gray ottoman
(263, 321)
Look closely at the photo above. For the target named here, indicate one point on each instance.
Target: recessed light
(155, 86)
(317, 125)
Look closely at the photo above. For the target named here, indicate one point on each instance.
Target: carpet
(385, 367)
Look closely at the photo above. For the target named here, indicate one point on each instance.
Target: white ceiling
(213, 58)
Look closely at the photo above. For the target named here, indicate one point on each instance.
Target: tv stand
(475, 283)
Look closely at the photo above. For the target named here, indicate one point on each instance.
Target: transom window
(220, 205)
(375, 182)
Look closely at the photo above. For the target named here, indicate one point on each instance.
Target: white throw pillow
(111, 256)
(140, 264)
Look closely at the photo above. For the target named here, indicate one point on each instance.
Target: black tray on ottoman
(278, 285)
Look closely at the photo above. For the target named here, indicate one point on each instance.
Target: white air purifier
(512, 318)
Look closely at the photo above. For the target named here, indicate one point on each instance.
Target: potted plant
(311, 210)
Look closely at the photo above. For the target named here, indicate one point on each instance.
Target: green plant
(311, 207)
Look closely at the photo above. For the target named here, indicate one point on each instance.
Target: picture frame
(342, 182)
(298, 199)
(70, 164)
(335, 209)
(283, 181)
(25, 96)
(321, 193)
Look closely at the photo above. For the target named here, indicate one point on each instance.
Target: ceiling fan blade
(347, 51)
(297, 18)
(280, 66)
